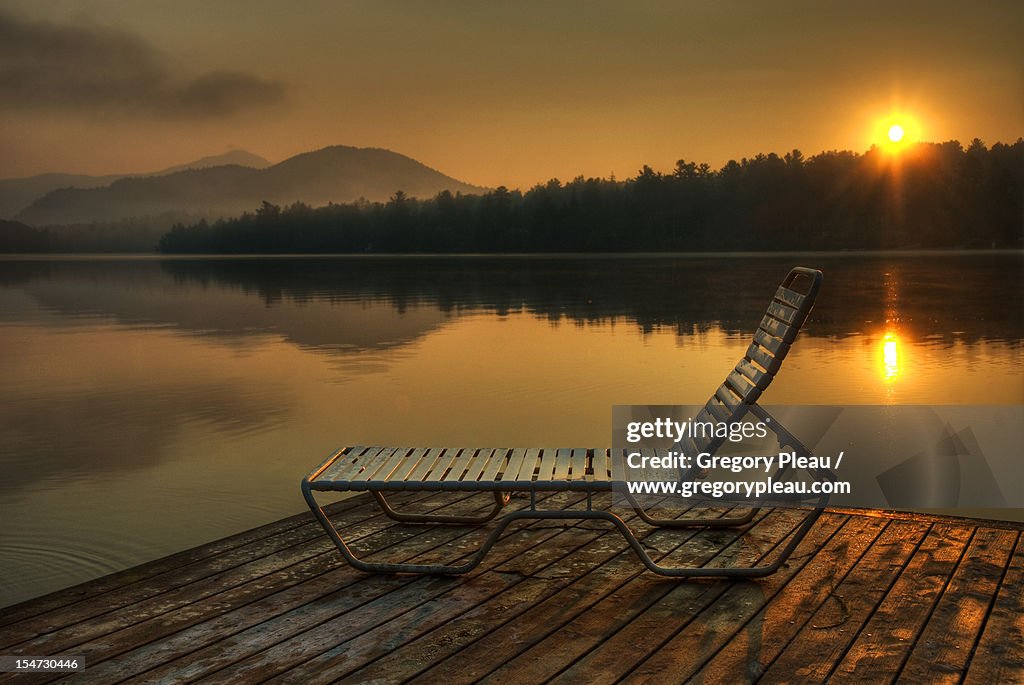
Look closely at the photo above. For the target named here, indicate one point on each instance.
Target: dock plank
(139, 601)
(745, 656)
(556, 601)
(564, 586)
(998, 657)
(408, 660)
(451, 608)
(944, 648)
(251, 558)
(721, 615)
(830, 629)
(886, 639)
(662, 607)
(219, 615)
(287, 642)
(480, 659)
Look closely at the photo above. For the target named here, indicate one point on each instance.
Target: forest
(927, 196)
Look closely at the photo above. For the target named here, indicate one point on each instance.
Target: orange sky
(493, 92)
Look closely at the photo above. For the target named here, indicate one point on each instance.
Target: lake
(151, 404)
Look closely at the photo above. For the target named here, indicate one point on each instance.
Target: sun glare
(896, 131)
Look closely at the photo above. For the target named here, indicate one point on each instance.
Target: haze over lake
(154, 404)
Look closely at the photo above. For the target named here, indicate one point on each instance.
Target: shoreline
(930, 252)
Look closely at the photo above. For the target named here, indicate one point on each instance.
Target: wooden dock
(871, 599)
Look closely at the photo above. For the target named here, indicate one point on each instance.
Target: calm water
(150, 405)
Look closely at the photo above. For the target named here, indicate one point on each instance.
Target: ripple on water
(32, 567)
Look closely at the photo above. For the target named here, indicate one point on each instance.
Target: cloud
(49, 66)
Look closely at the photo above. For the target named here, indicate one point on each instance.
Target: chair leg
(500, 500)
(723, 522)
(708, 571)
(634, 543)
(388, 567)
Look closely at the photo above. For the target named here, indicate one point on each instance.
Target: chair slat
(496, 465)
(529, 465)
(704, 416)
(617, 457)
(346, 467)
(775, 345)
(460, 466)
(700, 442)
(727, 397)
(601, 465)
(778, 328)
(719, 411)
(515, 461)
(648, 472)
(758, 354)
(666, 473)
(547, 465)
(388, 466)
(445, 464)
(578, 464)
(331, 460)
(743, 387)
(592, 465)
(562, 464)
(426, 464)
(790, 297)
(406, 467)
(375, 464)
(783, 312)
(476, 469)
(759, 378)
(687, 446)
(441, 466)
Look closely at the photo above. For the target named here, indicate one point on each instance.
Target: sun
(896, 131)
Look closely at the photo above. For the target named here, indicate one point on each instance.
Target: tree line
(928, 195)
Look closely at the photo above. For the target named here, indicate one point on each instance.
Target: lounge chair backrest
(776, 332)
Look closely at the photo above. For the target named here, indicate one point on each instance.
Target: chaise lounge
(501, 471)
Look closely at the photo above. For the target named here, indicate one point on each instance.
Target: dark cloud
(44, 65)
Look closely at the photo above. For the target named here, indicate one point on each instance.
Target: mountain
(18, 193)
(333, 174)
(239, 157)
(17, 237)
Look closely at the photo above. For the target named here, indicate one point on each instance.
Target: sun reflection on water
(893, 362)
(891, 356)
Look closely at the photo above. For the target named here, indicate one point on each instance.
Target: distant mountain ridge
(17, 194)
(332, 174)
(239, 157)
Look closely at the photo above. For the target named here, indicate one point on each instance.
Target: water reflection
(318, 302)
(890, 356)
(891, 339)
